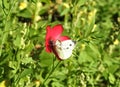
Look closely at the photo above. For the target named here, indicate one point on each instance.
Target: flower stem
(53, 69)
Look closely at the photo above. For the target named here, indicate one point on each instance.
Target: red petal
(62, 38)
(47, 38)
(56, 32)
(52, 34)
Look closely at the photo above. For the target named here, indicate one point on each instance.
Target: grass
(93, 24)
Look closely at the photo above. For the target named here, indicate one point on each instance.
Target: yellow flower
(116, 42)
(66, 5)
(118, 19)
(37, 82)
(3, 84)
(22, 5)
(82, 46)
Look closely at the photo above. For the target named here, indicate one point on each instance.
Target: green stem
(3, 7)
(53, 69)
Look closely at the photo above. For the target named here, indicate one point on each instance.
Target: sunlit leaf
(25, 73)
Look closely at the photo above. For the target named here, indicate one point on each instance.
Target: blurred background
(93, 24)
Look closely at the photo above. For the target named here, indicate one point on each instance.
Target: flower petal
(48, 39)
(52, 34)
(56, 31)
(62, 38)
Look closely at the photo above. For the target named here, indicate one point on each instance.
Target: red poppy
(52, 35)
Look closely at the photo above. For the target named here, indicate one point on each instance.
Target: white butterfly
(64, 48)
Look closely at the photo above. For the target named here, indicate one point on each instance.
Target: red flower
(52, 35)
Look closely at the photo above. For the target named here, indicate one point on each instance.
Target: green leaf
(46, 59)
(25, 13)
(27, 60)
(91, 22)
(81, 2)
(17, 41)
(111, 78)
(84, 57)
(65, 11)
(25, 73)
(95, 50)
(46, 1)
(113, 68)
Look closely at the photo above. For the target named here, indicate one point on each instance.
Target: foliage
(94, 24)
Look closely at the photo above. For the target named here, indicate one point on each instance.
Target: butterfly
(61, 46)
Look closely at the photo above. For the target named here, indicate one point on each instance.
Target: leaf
(46, 1)
(91, 22)
(25, 73)
(111, 78)
(25, 13)
(95, 50)
(27, 60)
(84, 57)
(17, 41)
(46, 59)
(81, 2)
(113, 68)
(65, 11)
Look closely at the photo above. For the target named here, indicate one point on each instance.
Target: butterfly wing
(64, 48)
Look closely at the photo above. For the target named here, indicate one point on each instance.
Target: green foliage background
(94, 24)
